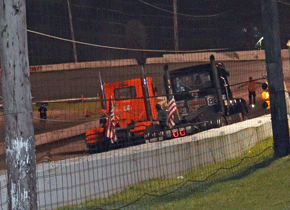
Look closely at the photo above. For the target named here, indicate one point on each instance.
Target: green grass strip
(199, 188)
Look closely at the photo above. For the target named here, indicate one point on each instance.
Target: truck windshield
(190, 82)
(125, 93)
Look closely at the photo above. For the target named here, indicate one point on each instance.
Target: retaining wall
(52, 82)
(72, 181)
(166, 58)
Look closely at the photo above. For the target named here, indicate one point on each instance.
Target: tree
(17, 102)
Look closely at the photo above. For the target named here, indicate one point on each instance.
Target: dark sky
(202, 24)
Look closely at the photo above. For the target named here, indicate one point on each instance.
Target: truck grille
(195, 104)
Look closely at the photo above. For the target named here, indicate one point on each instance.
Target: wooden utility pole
(17, 101)
(275, 77)
(175, 25)
(72, 31)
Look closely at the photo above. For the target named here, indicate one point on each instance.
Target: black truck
(203, 98)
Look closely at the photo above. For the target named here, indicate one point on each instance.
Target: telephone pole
(275, 77)
(175, 25)
(72, 32)
(17, 101)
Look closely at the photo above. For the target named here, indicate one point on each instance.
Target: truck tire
(244, 111)
(124, 139)
(94, 148)
(220, 121)
(99, 147)
(223, 121)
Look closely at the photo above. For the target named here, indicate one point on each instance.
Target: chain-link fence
(78, 63)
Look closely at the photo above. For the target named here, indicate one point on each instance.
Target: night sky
(202, 24)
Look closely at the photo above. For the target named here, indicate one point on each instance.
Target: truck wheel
(224, 121)
(243, 116)
(105, 145)
(220, 121)
(101, 146)
(243, 113)
(93, 149)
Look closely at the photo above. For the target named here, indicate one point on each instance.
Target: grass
(67, 114)
(93, 106)
(255, 180)
(265, 187)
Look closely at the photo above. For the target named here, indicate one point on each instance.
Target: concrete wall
(72, 181)
(71, 80)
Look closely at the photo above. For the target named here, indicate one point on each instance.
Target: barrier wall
(71, 80)
(63, 182)
(167, 58)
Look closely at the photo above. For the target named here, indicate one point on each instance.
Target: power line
(284, 2)
(121, 12)
(187, 8)
(125, 49)
(124, 13)
(186, 15)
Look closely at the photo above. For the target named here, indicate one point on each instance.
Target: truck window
(125, 93)
(192, 82)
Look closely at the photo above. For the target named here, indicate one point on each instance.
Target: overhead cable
(284, 2)
(125, 49)
(187, 15)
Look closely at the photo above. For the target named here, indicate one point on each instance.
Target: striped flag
(172, 109)
(111, 132)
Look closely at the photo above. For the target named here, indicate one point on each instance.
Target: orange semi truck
(133, 112)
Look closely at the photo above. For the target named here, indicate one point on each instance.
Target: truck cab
(200, 97)
(133, 113)
(129, 101)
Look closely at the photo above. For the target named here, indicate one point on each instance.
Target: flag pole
(172, 109)
(177, 112)
(168, 86)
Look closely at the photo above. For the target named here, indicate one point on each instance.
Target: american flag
(172, 109)
(111, 132)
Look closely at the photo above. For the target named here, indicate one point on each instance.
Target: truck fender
(96, 140)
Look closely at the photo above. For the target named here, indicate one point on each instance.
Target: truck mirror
(224, 82)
